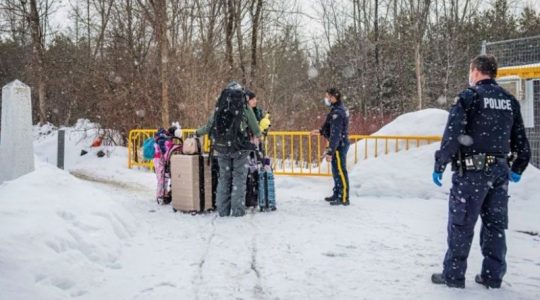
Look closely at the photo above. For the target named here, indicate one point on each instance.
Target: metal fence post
(61, 146)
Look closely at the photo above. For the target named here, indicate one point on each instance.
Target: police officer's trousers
(483, 193)
(340, 174)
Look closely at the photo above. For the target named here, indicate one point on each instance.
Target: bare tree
(32, 15)
(229, 32)
(256, 13)
(14, 14)
(419, 14)
(122, 61)
(239, 16)
(156, 12)
(103, 8)
(38, 52)
(454, 13)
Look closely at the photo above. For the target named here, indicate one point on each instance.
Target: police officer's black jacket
(484, 119)
(336, 127)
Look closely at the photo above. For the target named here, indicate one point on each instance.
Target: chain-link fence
(516, 52)
(523, 53)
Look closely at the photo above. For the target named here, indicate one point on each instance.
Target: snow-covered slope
(111, 168)
(57, 233)
(407, 174)
(78, 137)
(427, 122)
(430, 122)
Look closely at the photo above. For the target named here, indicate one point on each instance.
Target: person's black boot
(438, 278)
(489, 285)
(339, 202)
(330, 199)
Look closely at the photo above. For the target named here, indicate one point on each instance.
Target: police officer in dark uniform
(336, 130)
(484, 127)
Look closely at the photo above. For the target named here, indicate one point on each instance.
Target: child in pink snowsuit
(159, 164)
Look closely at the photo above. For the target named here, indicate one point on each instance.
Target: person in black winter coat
(336, 130)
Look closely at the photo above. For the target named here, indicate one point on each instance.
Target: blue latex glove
(514, 177)
(437, 177)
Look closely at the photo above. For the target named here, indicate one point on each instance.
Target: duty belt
(479, 161)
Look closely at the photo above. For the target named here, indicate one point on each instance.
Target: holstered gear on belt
(475, 162)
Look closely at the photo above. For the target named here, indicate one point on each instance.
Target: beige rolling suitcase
(191, 192)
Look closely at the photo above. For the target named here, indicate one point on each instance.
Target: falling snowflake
(312, 73)
(465, 140)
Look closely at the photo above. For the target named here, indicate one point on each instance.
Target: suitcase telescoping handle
(202, 195)
(266, 197)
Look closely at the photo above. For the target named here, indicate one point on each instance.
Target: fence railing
(136, 140)
(298, 153)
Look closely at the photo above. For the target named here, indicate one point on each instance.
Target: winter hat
(233, 85)
(250, 94)
(176, 129)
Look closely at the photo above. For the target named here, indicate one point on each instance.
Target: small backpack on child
(148, 149)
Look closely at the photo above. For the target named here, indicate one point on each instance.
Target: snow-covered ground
(100, 235)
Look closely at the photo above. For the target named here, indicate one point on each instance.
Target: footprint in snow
(166, 284)
(347, 246)
(332, 254)
(66, 215)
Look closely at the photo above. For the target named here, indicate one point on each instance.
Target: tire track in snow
(258, 290)
(123, 185)
(199, 278)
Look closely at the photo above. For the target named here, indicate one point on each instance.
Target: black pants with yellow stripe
(339, 173)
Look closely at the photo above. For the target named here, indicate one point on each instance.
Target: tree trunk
(229, 31)
(104, 10)
(421, 13)
(239, 36)
(254, 35)
(37, 59)
(208, 43)
(377, 60)
(419, 73)
(88, 30)
(163, 44)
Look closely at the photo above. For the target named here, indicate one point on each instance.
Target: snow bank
(427, 122)
(403, 174)
(407, 174)
(57, 233)
(111, 168)
(78, 137)
(423, 122)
